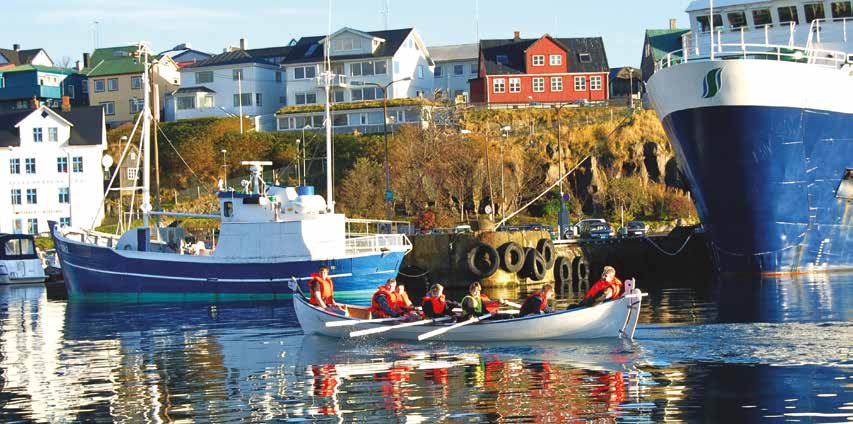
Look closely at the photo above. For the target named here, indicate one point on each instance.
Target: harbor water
(773, 350)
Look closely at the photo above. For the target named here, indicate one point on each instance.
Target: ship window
(841, 9)
(762, 18)
(737, 19)
(845, 189)
(814, 11)
(788, 14)
(704, 22)
(229, 209)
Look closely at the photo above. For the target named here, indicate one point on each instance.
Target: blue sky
(65, 27)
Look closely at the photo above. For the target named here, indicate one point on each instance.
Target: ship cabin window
(737, 19)
(228, 210)
(841, 10)
(17, 247)
(845, 189)
(762, 18)
(704, 22)
(814, 11)
(788, 14)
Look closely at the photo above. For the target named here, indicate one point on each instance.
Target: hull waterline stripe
(212, 280)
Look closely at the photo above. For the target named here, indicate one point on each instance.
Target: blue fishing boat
(268, 235)
(759, 110)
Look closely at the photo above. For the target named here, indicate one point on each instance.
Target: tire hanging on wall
(580, 270)
(545, 247)
(537, 269)
(483, 260)
(512, 257)
(562, 270)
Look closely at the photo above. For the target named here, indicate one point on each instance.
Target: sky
(66, 28)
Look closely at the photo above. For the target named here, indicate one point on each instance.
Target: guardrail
(820, 57)
(362, 227)
(378, 243)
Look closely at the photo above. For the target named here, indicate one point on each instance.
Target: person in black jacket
(537, 302)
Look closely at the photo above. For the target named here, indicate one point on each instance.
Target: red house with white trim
(520, 71)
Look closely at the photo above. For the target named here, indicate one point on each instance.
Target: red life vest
(543, 304)
(491, 306)
(390, 297)
(403, 301)
(327, 289)
(438, 304)
(601, 285)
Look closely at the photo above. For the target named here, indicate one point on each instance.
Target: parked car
(582, 225)
(633, 229)
(597, 230)
(465, 228)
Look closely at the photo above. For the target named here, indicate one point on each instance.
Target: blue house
(20, 84)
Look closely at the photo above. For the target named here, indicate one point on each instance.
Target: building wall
(42, 59)
(48, 87)
(256, 79)
(86, 188)
(451, 83)
(527, 95)
(365, 121)
(545, 47)
(166, 76)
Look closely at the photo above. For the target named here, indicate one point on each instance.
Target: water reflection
(728, 350)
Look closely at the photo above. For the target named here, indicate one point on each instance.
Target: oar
(391, 327)
(513, 304)
(440, 331)
(352, 322)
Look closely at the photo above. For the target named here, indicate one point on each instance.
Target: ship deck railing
(356, 227)
(782, 53)
(96, 238)
(378, 243)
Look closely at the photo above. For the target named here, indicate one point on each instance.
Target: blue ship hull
(765, 182)
(94, 273)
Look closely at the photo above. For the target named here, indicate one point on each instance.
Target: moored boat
(19, 262)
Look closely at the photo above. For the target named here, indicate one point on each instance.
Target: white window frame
(178, 105)
(499, 85)
(580, 83)
(110, 85)
(555, 59)
(77, 164)
(556, 84)
(52, 134)
(515, 85)
(109, 108)
(69, 91)
(538, 60)
(38, 135)
(540, 82)
(135, 82)
(62, 165)
(595, 83)
(103, 85)
(64, 197)
(32, 196)
(136, 105)
(132, 174)
(199, 77)
(237, 74)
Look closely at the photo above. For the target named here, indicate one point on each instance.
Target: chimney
(673, 24)
(16, 47)
(85, 60)
(34, 103)
(516, 35)
(66, 104)
(242, 44)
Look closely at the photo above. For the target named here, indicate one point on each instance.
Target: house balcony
(338, 81)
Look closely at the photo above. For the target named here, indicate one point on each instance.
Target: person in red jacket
(322, 292)
(384, 301)
(403, 302)
(435, 305)
(607, 288)
(537, 302)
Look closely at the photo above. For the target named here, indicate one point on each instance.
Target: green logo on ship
(712, 83)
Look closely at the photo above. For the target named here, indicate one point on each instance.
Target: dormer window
(584, 58)
(788, 14)
(504, 59)
(762, 18)
(347, 44)
(538, 60)
(737, 19)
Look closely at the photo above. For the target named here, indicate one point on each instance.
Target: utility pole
(155, 90)
(240, 96)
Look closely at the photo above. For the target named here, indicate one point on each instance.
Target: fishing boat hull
(609, 320)
(93, 271)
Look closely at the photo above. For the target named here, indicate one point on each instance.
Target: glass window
(474, 67)
(556, 83)
(340, 120)
(136, 105)
(132, 174)
(112, 84)
(458, 69)
(584, 57)
(369, 93)
(502, 59)
(277, 76)
(69, 90)
(317, 121)
(538, 60)
(580, 83)
(109, 108)
(788, 14)
(65, 221)
(77, 164)
(355, 69)
(298, 73)
(186, 102)
(99, 86)
(207, 101)
(62, 164)
(538, 85)
(841, 9)
(64, 195)
(595, 82)
(515, 85)
(338, 96)
(283, 123)
(814, 11)
(499, 85)
(244, 99)
(228, 210)
(136, 82)
(14, 166)
(761, 17)
(259, 99)
(32, 227)
(381, 67)
(367, 68)
(355, 95)
(555, 60)
(437, 72)
(16, 196)
(420, 71)
(32, 196)
(737, 19)
(53, 134)
(204, 77)
(37, 135)
(237, 74)
(30, 165)
(704, 22)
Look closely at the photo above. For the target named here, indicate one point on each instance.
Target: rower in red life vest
(322, 292)
(607, 288)
(435, 305)
(384, 302)
(475, 303)
(403, 302)
(537, 302)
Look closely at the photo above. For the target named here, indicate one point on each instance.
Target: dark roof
(268, 52)
(514, 50)
(87, 130)
(302, 52)
(663, 41)
(241, 56)
(20, 57)
(200, 89)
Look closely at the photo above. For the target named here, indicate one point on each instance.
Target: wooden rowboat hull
(610, 319)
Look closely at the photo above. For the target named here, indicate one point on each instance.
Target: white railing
(96, 238)
(821, 57)
(362, 227)
(378, 243)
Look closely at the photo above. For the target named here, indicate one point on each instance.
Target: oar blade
(351, 322)
(443, 330)
(392, 327)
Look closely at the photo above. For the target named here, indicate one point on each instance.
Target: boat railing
(829, 58)
(91, 237)
(356, 227)
(377, 243)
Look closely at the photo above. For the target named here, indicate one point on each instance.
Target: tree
(361, 191)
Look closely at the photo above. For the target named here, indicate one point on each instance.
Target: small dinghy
(615, 318)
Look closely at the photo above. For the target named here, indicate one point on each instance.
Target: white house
(361, 61)
(229, 84)
(50, 167)
(454, 66)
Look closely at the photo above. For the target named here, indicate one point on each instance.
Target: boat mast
(146, 136)
(327, 79)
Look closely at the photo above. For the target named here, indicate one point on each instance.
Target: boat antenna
(143, 51)
(327, 80)
(712, 29)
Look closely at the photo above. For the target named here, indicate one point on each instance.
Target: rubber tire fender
(528, 260)
(562, 270)
(483, 260)
(545, 247)
(512, 257)
(580, 269)
(537, 269)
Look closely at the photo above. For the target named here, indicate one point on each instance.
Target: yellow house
(115, 82)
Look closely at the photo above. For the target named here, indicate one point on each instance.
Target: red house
(541, 70)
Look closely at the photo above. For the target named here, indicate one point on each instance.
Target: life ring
(483, 260)
(562, 270)
(580, 269)
(512, 257)
(545, 247)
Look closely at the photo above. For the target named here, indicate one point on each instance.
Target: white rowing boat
(615, 318)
